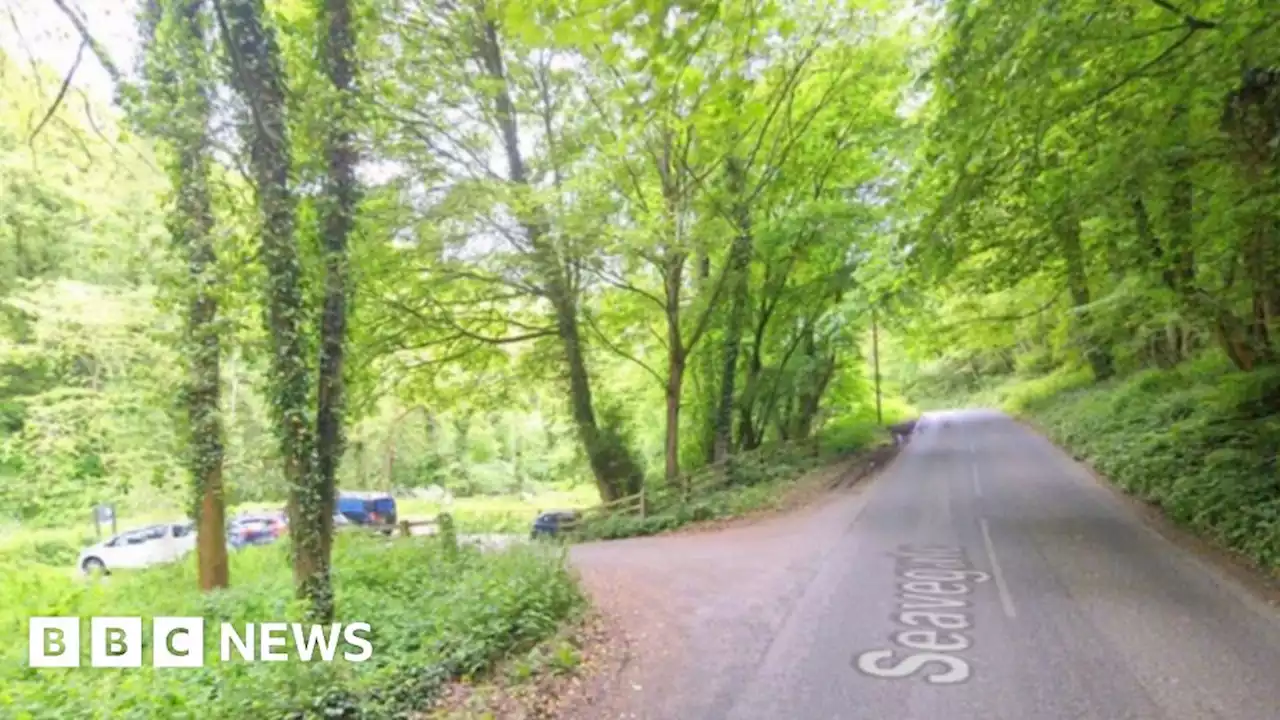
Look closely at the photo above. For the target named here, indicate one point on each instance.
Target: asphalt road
(984, 575)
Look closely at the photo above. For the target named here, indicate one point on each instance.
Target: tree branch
(622, 353)
(87, 38)
(456, 327)
(1193, 23)
(62, 92)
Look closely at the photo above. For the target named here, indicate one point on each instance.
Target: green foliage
(432, 619)
(757, 480)
(1191, 441)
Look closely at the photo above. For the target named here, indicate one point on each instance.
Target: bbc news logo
(179, 642)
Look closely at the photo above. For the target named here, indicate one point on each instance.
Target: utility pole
(875, 359)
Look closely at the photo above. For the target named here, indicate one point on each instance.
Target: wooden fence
(404, 528)
(643, 503)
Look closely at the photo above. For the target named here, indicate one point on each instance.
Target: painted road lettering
(933, 583)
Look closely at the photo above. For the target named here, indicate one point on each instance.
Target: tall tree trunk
(259, 79)
(613, 472)
(675, 365)
(611, 481)
(707, 371)
(1166, 344)
(739, 296)
(747, 435)
(810, 392)
(192, 226)
(338, 217)
(1099, 357)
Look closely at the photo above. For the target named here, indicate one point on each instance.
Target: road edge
(1256, 587)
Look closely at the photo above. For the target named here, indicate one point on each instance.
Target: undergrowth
(434, 616)
(750, 482)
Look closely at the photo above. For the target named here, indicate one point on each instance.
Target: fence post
(643, 508)
(448, 535)
(404, 528)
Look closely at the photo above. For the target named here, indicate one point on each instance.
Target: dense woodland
(1095, 241)
(480, 245)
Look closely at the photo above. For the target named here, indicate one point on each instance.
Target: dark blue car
(363, 508)
(551, 522)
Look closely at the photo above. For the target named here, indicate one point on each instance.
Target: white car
(144, 547)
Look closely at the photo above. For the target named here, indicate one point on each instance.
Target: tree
(258, 78)
(186, 83)
(339, 211)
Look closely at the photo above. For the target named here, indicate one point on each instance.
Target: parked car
(255, 529)
(551, 522)
(144, 547)
(367, 508)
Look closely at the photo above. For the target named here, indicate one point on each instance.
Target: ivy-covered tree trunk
(739, 297)
(259, 79)
(705, 377)
(191, 224)
(672, 284)
(338, 218)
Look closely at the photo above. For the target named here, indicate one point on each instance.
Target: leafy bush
(432, 618)
(1198, 441)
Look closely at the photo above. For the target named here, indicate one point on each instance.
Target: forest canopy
(590, 241)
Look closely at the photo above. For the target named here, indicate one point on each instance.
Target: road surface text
(934, 584)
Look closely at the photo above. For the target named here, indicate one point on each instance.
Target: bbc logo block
(53, 642)
(179, 642)
(115, 642)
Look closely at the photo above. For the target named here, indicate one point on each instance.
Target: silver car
(143, 547)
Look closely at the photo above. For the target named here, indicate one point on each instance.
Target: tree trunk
(747, 435)
(707, 371)
(612, 471)
(259, 79)
(1166, 346)
(740, 262)
(584, 417)
(675, 379)
(1251, 119)
(338, 218)
(675, 366)
(192, 226)
(1068, 232)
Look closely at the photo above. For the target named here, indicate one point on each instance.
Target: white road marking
(977, 486)
(1006, 600)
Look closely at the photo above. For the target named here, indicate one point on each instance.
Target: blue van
(367, 508)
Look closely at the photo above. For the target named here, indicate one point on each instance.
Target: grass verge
(434, 616)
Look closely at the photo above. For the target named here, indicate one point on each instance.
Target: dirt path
(720, 592)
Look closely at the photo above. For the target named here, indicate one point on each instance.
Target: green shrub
(431, 618)
(758, 480)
